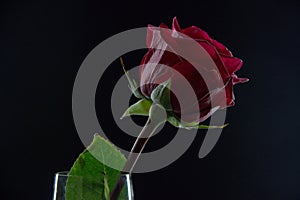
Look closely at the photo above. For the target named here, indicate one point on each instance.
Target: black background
(44, 42)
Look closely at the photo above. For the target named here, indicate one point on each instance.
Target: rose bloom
(164, 47)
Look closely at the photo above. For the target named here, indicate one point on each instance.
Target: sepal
(141, 107)
(161, 95)
(133, 86)
(175, 121)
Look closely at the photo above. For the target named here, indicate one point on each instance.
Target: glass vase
(60, 181)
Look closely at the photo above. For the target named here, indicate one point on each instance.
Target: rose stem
(157, 116)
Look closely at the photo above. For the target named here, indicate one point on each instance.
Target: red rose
(151, 70)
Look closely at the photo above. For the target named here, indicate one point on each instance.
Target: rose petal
(146, 78)
(196, 33)
(175, 25)
(150, 33)
(232, 64)
(217, 59)
(188, 47)
(237, 80)
(162, 25)
(229, 94)
(222, 49)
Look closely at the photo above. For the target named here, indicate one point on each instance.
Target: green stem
(157, 116)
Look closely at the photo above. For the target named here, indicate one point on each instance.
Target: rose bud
(188, 72)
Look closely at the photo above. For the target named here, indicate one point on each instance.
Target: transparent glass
(61, 178)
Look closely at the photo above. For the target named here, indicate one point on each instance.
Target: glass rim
(66, 173)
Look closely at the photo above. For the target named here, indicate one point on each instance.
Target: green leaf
(211, 127)
(141, 107)
(175, 121)
(89, 179)
(161, 95)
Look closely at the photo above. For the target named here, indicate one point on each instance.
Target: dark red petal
(219, 96)
(237, 80)
(192, 116)
(188, 106)
(150, 33)
(153, 64)
(229, 94)
(204, 107)
(168, 58)
(175, 25)
(211, 50)
(187, 74)
(196, 33)
(162, 25)
(221, 49)
(232, 64)
(199, 56)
